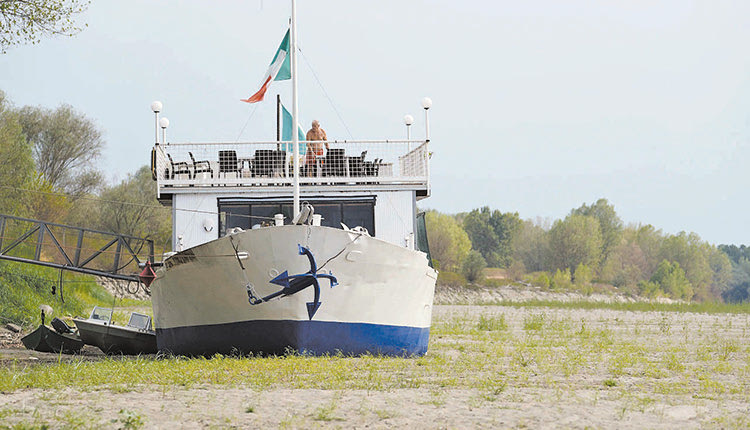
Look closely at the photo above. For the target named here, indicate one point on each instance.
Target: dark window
(246, 213)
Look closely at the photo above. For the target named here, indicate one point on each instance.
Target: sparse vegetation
(496, 354)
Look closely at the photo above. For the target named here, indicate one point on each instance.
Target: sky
(538, 106)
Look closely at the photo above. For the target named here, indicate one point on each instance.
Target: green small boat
(61, 339)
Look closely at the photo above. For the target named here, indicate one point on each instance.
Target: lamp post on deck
(164, 123)
(427, 104)
(156, 107)
(408, 120)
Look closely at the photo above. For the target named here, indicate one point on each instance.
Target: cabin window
(246, 213)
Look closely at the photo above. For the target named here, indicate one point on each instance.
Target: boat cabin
(215, 187)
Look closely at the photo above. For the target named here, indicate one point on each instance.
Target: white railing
(260, 164)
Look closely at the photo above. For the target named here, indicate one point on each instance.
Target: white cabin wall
(189, 213)
(394, 217)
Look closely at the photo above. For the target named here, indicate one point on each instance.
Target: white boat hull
(381, 305)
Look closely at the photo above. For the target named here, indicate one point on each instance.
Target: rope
(246, 122)
(98, 199)
(315, 75)
(340, 252)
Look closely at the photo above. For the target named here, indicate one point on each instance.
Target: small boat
(135, 338)
(59, 339)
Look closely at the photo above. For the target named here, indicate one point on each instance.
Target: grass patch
(708, 308)
(489, 355)
(490, 323)
(25, 287)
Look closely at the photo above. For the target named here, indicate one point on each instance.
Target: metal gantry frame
(78, 261)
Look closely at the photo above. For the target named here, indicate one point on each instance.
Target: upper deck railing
(264, 164)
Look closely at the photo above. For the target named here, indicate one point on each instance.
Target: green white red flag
(279, 70)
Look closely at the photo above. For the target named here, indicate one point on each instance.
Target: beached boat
(59, 339)
(255, 271)
(135, 338)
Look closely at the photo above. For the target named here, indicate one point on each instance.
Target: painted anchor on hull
(292, 284)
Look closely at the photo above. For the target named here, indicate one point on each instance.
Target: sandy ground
(543, 400)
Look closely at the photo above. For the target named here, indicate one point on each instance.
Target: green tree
(473, 266)
(575, 240)
(561, 280)
(583, 275)
(26, 21)
(738, 290)
(492, 234)
(531, 246)
(672, 280)
(66, 147)
(449, 243)
(693, 255)
(131, 208)
(609, 223)
(18, 164)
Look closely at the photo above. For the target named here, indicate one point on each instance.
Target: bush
(451, 279)
(516, 270)
(583, 275)
(494, 283)
(542, 280)
(473, 266)
(561, 280)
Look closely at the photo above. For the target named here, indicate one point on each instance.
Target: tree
(492, 234)
(473, 266)
(26, 21)
(449, 243)
(575, 240)
(739, 287)
(609, 223)
(693, 256)
(131, 208)
(531, 246)
(672, 280)
(18, 164)
(483, 237)
(66, 146)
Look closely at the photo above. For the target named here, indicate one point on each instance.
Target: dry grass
(487, 366)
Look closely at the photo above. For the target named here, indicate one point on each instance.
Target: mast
(278, 121)
(295, 137)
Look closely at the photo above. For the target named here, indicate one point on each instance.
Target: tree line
(590, 246)
(52, 172)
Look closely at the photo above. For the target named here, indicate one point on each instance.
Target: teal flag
(285, 71)
(286, 132)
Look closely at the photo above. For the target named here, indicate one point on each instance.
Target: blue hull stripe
(309, 337)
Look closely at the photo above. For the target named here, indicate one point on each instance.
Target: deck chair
(278, 161)
(228, 162)
(371, 168)
(179, 168)
(263, 162)
(201, 166)
(357, 165)
(334, 163)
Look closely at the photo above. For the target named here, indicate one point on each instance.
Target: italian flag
(279, 70)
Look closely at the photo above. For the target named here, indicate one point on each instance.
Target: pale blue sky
(539, 106)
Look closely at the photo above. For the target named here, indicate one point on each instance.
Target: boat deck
(269, 166)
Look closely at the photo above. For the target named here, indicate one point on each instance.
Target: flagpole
(278, 121)
(295, 137)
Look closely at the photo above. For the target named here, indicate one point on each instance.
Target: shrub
(473, 266)
(451, 279)
(516, 270)
(542, 280)
(494, 283)
(583, 275)
(561, 280)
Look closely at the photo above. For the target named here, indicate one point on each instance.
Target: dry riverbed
(487, 367)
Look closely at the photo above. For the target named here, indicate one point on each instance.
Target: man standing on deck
(314, 146)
